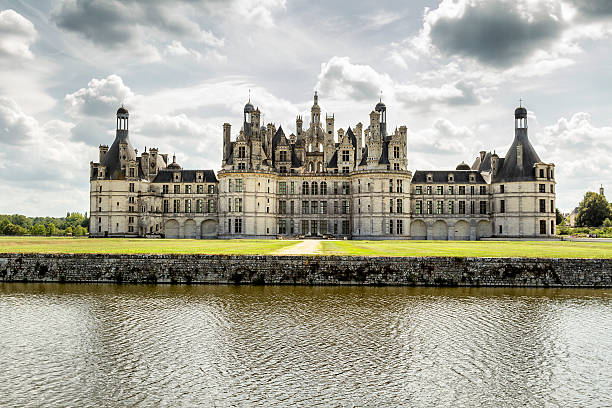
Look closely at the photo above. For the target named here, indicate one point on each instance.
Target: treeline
(75, 224)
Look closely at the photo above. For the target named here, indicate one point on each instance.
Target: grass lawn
(528, 249)
(67, 245)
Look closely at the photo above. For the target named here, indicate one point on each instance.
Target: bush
(12, 229)
(607, 223)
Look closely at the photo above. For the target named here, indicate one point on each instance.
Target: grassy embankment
(505, 249)
(66, 245)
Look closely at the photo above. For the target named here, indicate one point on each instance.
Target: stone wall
(306, 270)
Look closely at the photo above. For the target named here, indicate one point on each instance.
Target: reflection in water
(122, 345)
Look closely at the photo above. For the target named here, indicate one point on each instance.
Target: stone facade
(321, 182)
(307, 270)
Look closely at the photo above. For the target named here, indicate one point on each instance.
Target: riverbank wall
(306, 270)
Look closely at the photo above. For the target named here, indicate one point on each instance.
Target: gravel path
(306, 247)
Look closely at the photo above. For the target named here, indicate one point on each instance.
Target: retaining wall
(306, 270)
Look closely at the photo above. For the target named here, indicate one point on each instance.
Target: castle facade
(320, 181)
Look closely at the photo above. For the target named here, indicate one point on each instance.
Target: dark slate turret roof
(112, 161)
(510, 170)
(384, 157)
(187, 176)
(277, 138)
(333, 162)
(441, 176)
(364, 156)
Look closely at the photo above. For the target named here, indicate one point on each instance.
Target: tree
(51, 229)
(68, 231)
(12, 229)
(593, 210)
(38, 229)
(559, 216)
(607, 223)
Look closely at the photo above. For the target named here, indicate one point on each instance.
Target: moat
(225, 345)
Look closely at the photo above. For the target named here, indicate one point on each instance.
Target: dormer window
(429, 178)
(283, 156)
(451, 178)
(177, 177)
(472, 178)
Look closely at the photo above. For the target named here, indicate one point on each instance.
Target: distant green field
(62, 245)
(506, 249)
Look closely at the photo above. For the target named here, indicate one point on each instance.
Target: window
(335, 207)
(483, 207)
(292, 188)
(396, 152)
(304, 207)
(292, 207)
(390, 185)
(542, 188)
(132, 172)
(542, 206)
(400, 187)
(502, 206)
(131, 227)
(131, 200)
(238, 225)
(500, 229)
(451, 189)
(239, 185)
(314, 188)
(391, 205)
(552, 188)
(323, 207)
(472, 190)
(462, 190)
(187, 206)
(211, 189)
(346, 188)
(396, 166)
(283, 169)
(552, 206)
(483, 190)
(241, 152)
(323, 227)
(177, 189)
(335, 227)
(166, 206)
(429, 188)
(345, 155)
(440, 207)
(451, 207)
(390, 227)
(131, 187)
(542, 175)
(165, 189)
(501, 189)
(177, 206)
(200, 189)
(282, 226)
(230, 186)
(291, 227)
(472, 207)
(400, 227)
(399, 206)
(418, 207)
(440, 190)
(542, 227)
(282, 207)
(282, 156)
(282, 187)
(241, 166)
(345, 227)
(131, 220)
(345, 207)
(461, 207)
(345, 169)
(314, 207)
(238, 204)
(323, 188)
(304, 227)
(335, 187)
(313, 227)
(211, 206)
(418, 190)
(552, 227)
(229, 205)
(305, 188)
(430, 207)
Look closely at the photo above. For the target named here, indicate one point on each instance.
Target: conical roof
(512, 169)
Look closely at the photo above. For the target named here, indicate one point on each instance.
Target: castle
(352, 183)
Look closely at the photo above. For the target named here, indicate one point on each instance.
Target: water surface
(141, 346)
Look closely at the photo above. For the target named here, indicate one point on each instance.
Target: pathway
(306, 247)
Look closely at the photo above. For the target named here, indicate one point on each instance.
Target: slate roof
(187, 176)
(112, 160)
(333, 162)
(384, 157)
(441, 176)
(510, 170)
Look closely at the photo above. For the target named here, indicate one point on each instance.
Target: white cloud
(381, 19)
(17, 34)
(100, 98)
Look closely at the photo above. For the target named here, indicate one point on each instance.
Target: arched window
(314, 188)
(305, 188)
(323, 188)
(319, 147)
(320, 167)
(310, 147)
(311, 167)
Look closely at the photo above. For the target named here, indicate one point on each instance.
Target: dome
(463, 166)
(122, 111)
(174, 165)
(248, 108)
(520, 113)
(380, 107)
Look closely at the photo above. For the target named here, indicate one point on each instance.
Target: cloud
(100, 98)
(442, 138)
(381, 19)
(340, 78)
(177, 49)
(17, 34)
(15, 126)
(593, 8)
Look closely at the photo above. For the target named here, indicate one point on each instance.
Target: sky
(451, 71)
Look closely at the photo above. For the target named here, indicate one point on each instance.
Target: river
(96, 345)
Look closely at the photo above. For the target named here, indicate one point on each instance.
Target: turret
(227, 144)
(103, 151)
(381, 108)
(298, 126)
(358, 131)
(315, 111)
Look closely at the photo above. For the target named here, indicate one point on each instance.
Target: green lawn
(61, 245)
(529, 249)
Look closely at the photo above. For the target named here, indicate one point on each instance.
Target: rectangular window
(451, 189)
(400, 188)
(552, 206)
(282, 226)
(400, 227)
(461, 207)
(282, 187)
(542, 206)
(323, 188)
(430, 207)
(335, 187)
(501, 189)
(440, 207)
(200, 189)
(282, 207)
(390, 227)
(292, 188)
(483, 207)
(472, 207)
(391, 205)
(542, 176)
(314, 207)
(291, 227)
(396, 166)
(462, 190)
(229, 205)
(314, 188)
(335, 207)
(313, 227)
(396, 152)
(187, 206)
(165, 189)
(323, 227)
(230, 186)
(502, 206)
(166, 206)
(177, 189)
(211, 206)
(241, 152)
(346, 188)
(345, 155)
(305, 227)
(400, 208)
(304, 207)
(282, 155)
(132, 172)
(211, 189)
(418, 190)
(451, 207)
(418, 207)
(323, 207)
(188, 189)
(292, 207)
(552, 188)
(345, 169)
(345, 207)
(238, 225)
(238, 185)
(177, 206)
(345, 227)
(131, 187)
(238, 205)
(542, 188)
(483, 190)
(429, 190)
(542, 227)
(440, 190)
(390, 185)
